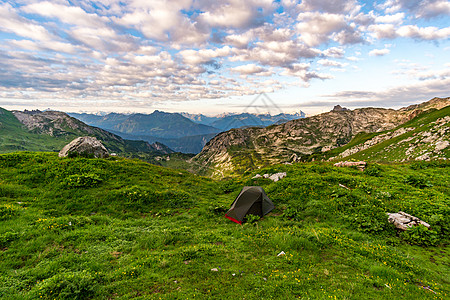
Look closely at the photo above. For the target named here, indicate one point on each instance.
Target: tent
(251, 200)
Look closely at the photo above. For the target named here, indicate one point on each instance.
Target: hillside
(426, 137)
(118, 229)
(51, 130)
(239, 150)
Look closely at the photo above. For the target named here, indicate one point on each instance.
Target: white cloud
(301, 71)
(234, 13)
(379, 52)
(396, 18)
(426, 33)
(315, 28)
(193, 57)
(420, 8)
(10, 21)
(331, 63)
(251, 69)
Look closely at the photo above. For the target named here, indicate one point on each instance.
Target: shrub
(218, 209)
(293, 213)
(251, 219)
(136, 195)
(373, 170)
(82, 180)
(421, 235)
(7, 211)
(418, 181)
(7, 238)
(175, 199)
(73, 154)
(67, 285)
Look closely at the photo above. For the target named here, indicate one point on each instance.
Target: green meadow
(79, 228)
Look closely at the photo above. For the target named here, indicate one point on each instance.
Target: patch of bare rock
(86, 145)
(403, 221)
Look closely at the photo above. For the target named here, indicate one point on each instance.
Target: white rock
(277, 176)
(403, 221)
(441, 145)
(256, 176)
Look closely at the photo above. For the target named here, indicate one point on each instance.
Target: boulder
(361, 165)
(277, 176)
(85, 145)
(403, 221)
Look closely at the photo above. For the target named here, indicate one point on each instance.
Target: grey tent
(251, 200)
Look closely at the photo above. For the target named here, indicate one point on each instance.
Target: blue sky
(217, 56)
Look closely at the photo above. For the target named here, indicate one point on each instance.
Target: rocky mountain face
(243, 149)
(426, 137)
(62, 128)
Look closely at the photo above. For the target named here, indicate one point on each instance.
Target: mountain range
(321, 136)
(51, 130)
(182, 132)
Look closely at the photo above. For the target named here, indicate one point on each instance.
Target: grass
(119, 229)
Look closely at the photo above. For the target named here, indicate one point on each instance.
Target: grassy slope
(120, 228)
(14, 136)
(378, 152)
(393, 150)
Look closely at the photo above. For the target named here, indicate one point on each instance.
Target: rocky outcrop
(340, 108)
(85, 146)
(374, 141)
(274, 177)
(403, 221)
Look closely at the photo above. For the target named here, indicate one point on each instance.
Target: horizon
(195, 57)
(104, 113)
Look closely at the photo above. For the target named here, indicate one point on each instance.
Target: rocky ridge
(242, 149)
(60, 125)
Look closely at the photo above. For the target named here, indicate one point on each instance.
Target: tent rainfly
(251, 200)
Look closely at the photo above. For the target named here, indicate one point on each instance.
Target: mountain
(239, 150)
(51, 130)
(228, 121)
(183, 132)
(157, 124)
(200, 118)
(107, 121)
(425, 137)
(172, 129)
(189, 144)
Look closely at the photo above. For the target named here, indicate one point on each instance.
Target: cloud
(330, 6)
(144, 52)
(420, 8)
(315, 28)
(302, 71)
(251, 69)
(193, 57)
(334, 52)
(331, 63)
(273, 53)
(399, 95)
(234, 13)
(425, 33)
(379, 52)
(10, 21)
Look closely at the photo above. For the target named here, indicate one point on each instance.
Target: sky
(214, 57)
